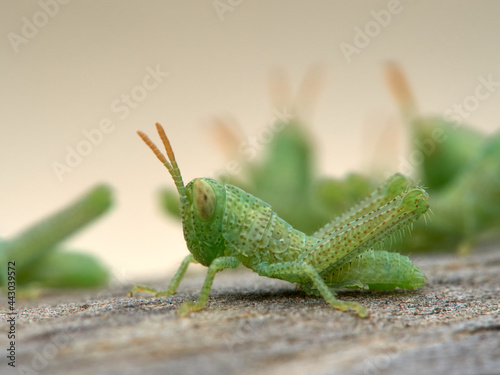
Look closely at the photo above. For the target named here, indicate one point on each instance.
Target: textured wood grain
(253, 324)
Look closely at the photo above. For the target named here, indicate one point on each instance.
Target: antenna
(172, 166)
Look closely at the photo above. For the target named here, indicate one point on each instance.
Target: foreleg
(174, 284)
(217, 265)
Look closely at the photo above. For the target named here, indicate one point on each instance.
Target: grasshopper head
(202, 219)
(202, 206)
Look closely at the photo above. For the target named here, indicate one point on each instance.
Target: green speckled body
(255, 234)
(245, 227)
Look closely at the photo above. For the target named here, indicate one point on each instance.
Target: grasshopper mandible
(224, 227)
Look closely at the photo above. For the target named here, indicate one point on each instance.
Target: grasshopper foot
(189, 307)
(360, 309)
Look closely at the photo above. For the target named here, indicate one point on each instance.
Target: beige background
(66, 77)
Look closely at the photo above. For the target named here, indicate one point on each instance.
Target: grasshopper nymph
(224, 227)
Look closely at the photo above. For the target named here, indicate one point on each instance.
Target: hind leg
(307, 272)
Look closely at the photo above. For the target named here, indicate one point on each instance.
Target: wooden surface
(258, 325)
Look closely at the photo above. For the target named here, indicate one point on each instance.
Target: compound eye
(204, 199)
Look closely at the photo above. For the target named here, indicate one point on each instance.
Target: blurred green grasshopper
(225, 226)
(36, 255)
(287, 171)
(461, 168)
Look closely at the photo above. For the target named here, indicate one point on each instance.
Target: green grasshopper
(225, 226)
(446, 147)
(461, 168)
(40, 261)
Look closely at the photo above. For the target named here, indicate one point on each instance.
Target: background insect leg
(348, 284)
(174, 284)
(217, 265)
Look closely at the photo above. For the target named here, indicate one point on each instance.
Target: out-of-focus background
(70, 67)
